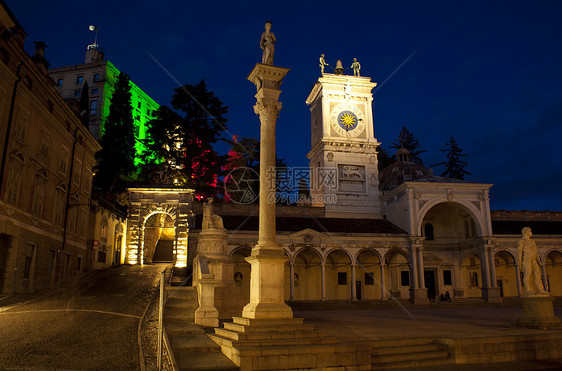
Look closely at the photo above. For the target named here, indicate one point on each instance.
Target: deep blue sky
(488, 73)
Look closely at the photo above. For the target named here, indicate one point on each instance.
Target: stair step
(242, 336)
(406, 349)
(179, 313)
(408, 357)
(414, 364)
(204, 361)
(180, 327)
(182, 292)
(270, 343)
(194, 343)
(402, 342)
(267, 328)
(267, 322)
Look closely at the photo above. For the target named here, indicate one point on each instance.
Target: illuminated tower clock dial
(347, 120)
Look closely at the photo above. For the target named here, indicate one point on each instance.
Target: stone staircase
(191, 347)
(409, 353)
(286, 344)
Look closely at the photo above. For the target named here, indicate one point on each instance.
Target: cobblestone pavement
(91, 326)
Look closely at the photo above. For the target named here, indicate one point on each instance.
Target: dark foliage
(408, 141)
(455, 167)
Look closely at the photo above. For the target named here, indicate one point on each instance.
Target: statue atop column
(267, 44)
(530, 263)
(356, 67)
(210, 220)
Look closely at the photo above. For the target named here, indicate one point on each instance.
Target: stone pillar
(494, 282)
(267, 259)
(353, 287)
(544, 278)
(420, 268)
(490, 292)
(382, 283)
(323, 278)
(292, 280)
(414, 267)
(518, 278)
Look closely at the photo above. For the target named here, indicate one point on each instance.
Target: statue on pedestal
(356, 67)
(210, 220)
(530, 263)
(267, 44)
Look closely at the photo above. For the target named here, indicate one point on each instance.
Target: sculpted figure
(322, 64)
(267, 44)
(210, 220)
(356, 67)
(529, 259)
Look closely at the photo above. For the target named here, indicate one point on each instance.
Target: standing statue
(322, 64)
(356, 67)
(210, 220)
(530, 262)
(267, 44)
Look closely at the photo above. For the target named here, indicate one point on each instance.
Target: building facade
(45, 172)
(100, 76)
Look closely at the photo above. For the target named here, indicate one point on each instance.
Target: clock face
(347, 120)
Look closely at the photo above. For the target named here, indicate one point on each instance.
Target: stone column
(485, 267)
(420, 268)
(292, 280)
(518, 279)
(382, 282)
(353, 287)
(267, 259)
(414, 267)
(323, 279)
(544, 278)
(494, 282)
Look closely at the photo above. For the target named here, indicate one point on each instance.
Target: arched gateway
(158, 215)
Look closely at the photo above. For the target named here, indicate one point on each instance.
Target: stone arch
(307, 266)
(241, 270)
(145, 202)
(368, 272)
(505, 263)
(338, 274)
(553, 267)
(472, 210)
(398, 272)
(158, 237)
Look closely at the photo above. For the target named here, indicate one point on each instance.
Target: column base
(419, 296)
(492, 294)
(538, 313)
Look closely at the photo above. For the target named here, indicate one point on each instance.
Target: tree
(408, 141)
(383, 158)
(180, 141)
(455, 167)
(115, 161)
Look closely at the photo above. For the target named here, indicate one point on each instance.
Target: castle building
(100, 76)
(47, 156)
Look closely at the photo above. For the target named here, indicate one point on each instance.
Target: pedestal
(492, 294)
(419, 296)
(538, 313)
(267, 287)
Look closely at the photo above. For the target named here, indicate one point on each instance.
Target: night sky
(488, 73)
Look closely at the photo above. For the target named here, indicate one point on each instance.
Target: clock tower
(343, 155)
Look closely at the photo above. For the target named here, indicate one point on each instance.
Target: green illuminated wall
(141, 114)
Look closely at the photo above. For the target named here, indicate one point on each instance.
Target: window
(59, 207)
(101, 256)
(38, 195)
(447, 278)
(44, 145)
(60, 82)
(93, 106)
(96, 77)
(79, 80)
(369, 279)
(81, 223)
(139, 104)
(77, 172)
(71, 227)
(29, 252)
(50, 106)
(63, 160)
(95, 91)
(429, 232)
(78, 263)
(405, 278)
(14, 181)
(473, 279)
(77, 93)
(342, 278)
(22, 123)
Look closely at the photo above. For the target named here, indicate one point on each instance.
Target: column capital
(417, 241)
